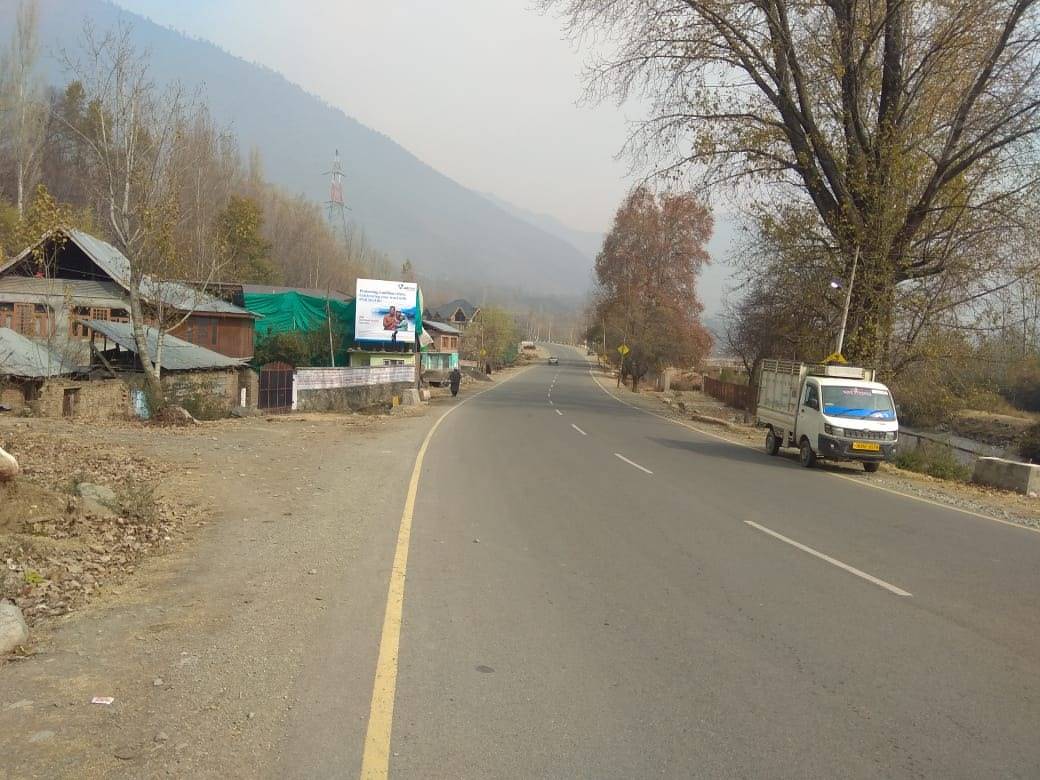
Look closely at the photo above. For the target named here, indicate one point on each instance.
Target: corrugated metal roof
(95, 293)
(441, 327)
(22, 357)
(177, 355)
(175, 294)
(273, 289)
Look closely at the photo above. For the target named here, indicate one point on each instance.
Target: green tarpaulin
(292, 312)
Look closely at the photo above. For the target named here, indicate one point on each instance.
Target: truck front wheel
(871, 466)
(772, 442)
(806, 455)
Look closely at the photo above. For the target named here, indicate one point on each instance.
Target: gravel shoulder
(707, 415)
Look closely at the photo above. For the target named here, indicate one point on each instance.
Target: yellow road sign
(834, 357)
(623, 350)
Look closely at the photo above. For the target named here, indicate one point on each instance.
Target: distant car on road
(554, 361)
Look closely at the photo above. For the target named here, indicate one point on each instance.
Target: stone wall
(211, 394)
(350, 399)
(99, 399)
(207, 395)
(12, 395)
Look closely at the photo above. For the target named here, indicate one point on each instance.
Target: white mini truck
(830, 412)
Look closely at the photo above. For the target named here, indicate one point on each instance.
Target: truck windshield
(863, 402)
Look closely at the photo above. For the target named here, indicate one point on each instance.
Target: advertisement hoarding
(386, 311)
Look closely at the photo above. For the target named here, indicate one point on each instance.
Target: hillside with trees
(457, 239)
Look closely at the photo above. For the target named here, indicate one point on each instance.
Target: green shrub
(925, 405)
(989, 401)
(1023, 386)
(297, 348)
(935, 460)
(1029, 445)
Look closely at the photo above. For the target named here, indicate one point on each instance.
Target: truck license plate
(866, 446)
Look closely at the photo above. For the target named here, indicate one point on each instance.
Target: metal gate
(276, 387)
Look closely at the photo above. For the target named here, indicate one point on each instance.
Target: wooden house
(86, 278)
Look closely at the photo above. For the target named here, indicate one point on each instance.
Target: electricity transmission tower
(337, 209)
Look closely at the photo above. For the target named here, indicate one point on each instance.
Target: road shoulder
(987, 503)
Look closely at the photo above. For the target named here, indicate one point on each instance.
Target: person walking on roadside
(455, 379)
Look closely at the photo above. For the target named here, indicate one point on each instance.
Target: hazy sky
(483, 90)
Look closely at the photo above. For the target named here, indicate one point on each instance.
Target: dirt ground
(255, 522)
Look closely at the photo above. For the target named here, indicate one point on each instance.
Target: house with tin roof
(84, 278)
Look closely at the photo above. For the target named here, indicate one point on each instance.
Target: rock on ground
(8, 466)
(98, 493)
(13, 631)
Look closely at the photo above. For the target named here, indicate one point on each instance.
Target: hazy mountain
(587, 242)
(454, 236)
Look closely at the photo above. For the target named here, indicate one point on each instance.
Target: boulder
(13, 630)
(8, 466)
(96, 493)
(425, 394)
(245, 411)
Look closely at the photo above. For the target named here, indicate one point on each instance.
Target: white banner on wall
(386, 311)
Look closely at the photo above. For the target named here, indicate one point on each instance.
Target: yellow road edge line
(375, 760)
(853, 480)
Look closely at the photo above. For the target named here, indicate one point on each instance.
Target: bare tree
(137, 140)
(896, 122)
(24, 109)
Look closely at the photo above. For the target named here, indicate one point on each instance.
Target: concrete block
(1008, 475)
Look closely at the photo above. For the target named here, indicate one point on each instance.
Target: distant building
(443, 353)
(459, 313)
(446, 338)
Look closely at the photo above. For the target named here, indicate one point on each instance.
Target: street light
(836, 284)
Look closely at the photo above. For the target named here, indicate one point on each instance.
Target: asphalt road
(596, 592)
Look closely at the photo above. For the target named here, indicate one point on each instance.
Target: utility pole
(328, 316)
(848, 302)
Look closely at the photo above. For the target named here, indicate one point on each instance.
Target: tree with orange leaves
(646, 273)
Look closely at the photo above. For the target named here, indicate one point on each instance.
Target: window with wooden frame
(24, 318)
(202, 331)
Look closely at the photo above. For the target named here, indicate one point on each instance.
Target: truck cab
(829, 412)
